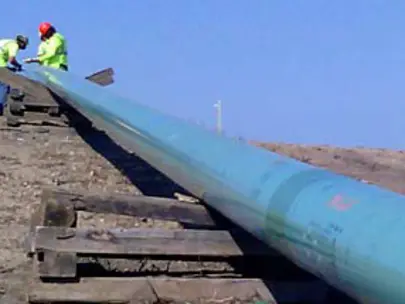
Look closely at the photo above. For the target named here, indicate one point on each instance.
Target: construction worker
(53, 48)
(9, 49)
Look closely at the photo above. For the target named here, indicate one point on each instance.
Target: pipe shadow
(146, 178)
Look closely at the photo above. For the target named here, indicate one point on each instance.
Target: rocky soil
(35, 157)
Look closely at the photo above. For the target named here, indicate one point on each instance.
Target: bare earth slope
(34, 157)
(376, 166)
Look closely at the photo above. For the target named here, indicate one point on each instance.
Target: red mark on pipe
(340, 204)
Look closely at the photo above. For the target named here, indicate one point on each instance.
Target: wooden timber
(57, 245)
(150, 290)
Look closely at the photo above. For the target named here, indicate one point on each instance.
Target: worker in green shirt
(9, 49)
(53, 48)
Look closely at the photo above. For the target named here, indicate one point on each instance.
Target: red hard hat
(44, 27)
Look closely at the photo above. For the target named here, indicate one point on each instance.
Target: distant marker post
(218, 107)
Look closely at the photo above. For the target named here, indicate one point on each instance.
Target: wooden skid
(150, 290)
(144, 241)
(32, 90)
(39, 105)
(35, 118)
(57, 243)
(59, 208)
(133, 205)
(30, 102)
(59, 247)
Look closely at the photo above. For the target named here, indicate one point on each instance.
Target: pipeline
(343, 231)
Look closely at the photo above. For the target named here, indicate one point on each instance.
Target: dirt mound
(381, 167)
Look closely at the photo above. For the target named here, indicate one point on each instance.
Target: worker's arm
(50, 51)
(12, 51)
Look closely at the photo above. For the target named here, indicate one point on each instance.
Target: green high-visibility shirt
(54, 52)
(8, 49)
(41, 49)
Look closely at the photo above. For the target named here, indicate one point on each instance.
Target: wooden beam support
(49, 213)
(150, 290)
(52, 264)
(134, 205)
(59, 208)
(147, 242)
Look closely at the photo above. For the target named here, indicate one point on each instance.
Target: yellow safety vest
(8, 48)
(55, 52)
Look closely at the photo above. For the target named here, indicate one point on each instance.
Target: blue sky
(304, 71)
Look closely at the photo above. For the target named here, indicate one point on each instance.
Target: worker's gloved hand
(29, 60)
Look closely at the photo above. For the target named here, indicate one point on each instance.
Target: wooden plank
(134, 205)
(37, 219)
(34, 120)
(41, 118)
(53, 264)
(146, 241)
(134, 290)
(57, 214)
(49, 213)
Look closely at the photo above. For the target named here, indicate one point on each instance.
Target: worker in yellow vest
(53, 48)
(9, 49)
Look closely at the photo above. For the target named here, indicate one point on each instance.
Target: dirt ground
(34, 157)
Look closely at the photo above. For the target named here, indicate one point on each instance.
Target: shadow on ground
(142, 175)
